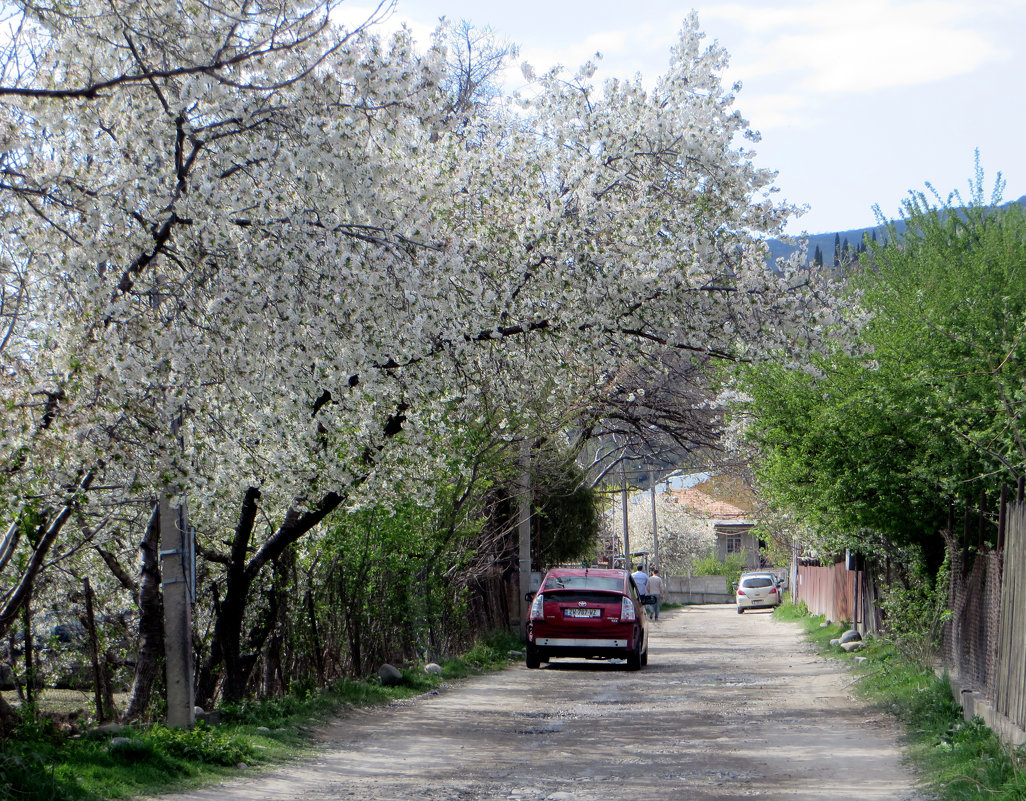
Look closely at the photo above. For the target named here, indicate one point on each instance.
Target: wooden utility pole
(175, 568)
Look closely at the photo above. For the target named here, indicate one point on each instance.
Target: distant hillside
(827, 242)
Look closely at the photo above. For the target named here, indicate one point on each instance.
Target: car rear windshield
(610, 584)
(591, 596)
(757, 581)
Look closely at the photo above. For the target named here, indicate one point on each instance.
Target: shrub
(199, 744)
(732, 567)
(915, 615)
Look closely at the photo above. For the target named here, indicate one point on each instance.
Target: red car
(590, 613)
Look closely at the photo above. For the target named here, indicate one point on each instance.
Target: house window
(733, 543)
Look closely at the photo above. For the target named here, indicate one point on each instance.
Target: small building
(736, 537)
(731, 526)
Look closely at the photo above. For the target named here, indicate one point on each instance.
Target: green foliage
(40, 763)
(385, 581)
(920, 408)
(277, 711)
(914, 614)
(489, 653)
(790, 611)
(199, 744)
(569, 515)
(732, 567)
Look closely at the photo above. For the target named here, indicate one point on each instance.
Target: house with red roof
(732, 526)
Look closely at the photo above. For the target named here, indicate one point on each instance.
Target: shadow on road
(603, 665)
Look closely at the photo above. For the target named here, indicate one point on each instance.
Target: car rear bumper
(607, 650)
(609, 644)
(765, 604)
(578, 642)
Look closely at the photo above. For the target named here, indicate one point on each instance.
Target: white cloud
(769, 111)
(834, 46)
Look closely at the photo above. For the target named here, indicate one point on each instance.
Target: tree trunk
(229, 612)
(151, 623)
(30, 667)
(103, 712)
(22, 592)
(315, 637)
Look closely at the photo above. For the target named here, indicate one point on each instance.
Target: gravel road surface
(730, 706)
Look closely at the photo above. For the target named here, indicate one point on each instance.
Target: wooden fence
(985, 639)
(828, 591)
(841, 594)
(1009, 684)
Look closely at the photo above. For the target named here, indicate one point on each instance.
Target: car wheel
(634, 659)
(644, 658)
(532, 660)
(740, 611)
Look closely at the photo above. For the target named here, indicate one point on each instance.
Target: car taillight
(773, 591)
(740, 592)
(537, 612)
(627, 609)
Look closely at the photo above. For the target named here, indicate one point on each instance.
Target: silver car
(757, 591)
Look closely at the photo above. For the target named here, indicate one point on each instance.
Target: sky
(859, 102)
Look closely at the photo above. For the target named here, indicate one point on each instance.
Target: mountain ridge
(781, 249)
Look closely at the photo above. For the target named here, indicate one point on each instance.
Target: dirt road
(730, 706)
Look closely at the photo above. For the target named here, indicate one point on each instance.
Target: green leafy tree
(920, 406)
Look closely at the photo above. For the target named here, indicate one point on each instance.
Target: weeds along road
(730, 706)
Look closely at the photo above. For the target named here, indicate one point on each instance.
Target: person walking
(641, 579)
(655, 589)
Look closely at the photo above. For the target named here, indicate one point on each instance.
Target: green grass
(957, 760)
(41, 764)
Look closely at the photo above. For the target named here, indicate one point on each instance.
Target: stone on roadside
(390, 675)
(850, 636)
(854, 645)
(433, 668)
(106, 728)
(835, 642)
(128, 749)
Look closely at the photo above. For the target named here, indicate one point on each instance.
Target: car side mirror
(529, 596)
(734, 584)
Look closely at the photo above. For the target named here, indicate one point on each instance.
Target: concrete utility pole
(626, 525)
(175, 558)
(655, 527)
(524, 532)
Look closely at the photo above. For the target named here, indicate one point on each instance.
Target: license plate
(582, 612)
